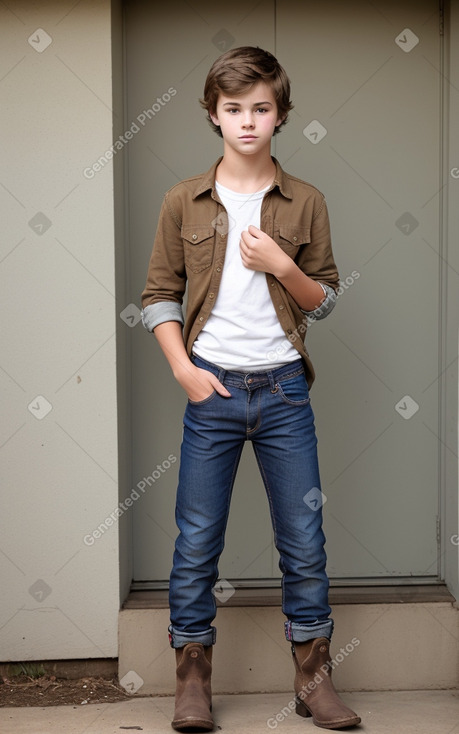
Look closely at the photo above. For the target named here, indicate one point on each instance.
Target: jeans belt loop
(272, 383)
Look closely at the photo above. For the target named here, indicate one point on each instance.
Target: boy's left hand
(260, 252)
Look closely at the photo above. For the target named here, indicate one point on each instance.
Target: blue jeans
(271, 409)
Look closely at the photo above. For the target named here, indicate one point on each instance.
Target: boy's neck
(246, 174)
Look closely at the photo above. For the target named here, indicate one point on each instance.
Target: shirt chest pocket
(198, 246)
(290, 238)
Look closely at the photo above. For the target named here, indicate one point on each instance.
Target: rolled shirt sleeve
(326, 307)
(158, 313)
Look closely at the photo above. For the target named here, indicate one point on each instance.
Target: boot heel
(301, 709)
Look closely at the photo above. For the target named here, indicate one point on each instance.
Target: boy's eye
(233, 110)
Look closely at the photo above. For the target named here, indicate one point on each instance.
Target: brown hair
(237, 70)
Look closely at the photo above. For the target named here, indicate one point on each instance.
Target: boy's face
(247, 121)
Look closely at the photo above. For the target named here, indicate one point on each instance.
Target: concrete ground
(388, 712)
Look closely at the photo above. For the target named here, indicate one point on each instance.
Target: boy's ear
(280, 120)
(214, 118)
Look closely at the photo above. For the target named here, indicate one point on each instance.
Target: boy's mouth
(247, 137)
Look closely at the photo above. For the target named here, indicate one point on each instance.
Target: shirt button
(194, 237)
(272, 284)
(295, 239)
(281, 308)
(211, 295)
(201, 318)
(219, 270)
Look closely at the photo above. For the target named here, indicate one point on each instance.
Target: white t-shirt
(243, 328)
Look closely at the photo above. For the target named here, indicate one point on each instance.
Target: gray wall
(59, 468)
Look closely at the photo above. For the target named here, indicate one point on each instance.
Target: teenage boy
(253, 244)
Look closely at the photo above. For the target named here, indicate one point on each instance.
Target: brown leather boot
(315, 693)
(193, 696)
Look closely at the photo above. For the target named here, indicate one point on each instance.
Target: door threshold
(271, 597)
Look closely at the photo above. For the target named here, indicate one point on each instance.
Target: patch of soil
(47, 690)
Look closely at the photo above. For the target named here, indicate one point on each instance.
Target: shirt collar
(207, 181)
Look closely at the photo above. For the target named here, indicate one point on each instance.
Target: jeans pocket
(206, 400)
(294, 390)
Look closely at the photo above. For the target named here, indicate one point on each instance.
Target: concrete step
(394, 645)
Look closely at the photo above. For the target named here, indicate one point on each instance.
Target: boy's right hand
(199, 384)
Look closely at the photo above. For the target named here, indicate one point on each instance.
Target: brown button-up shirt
(190, 246)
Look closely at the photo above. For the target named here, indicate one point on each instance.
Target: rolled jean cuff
(180, 639)
(295, 632)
